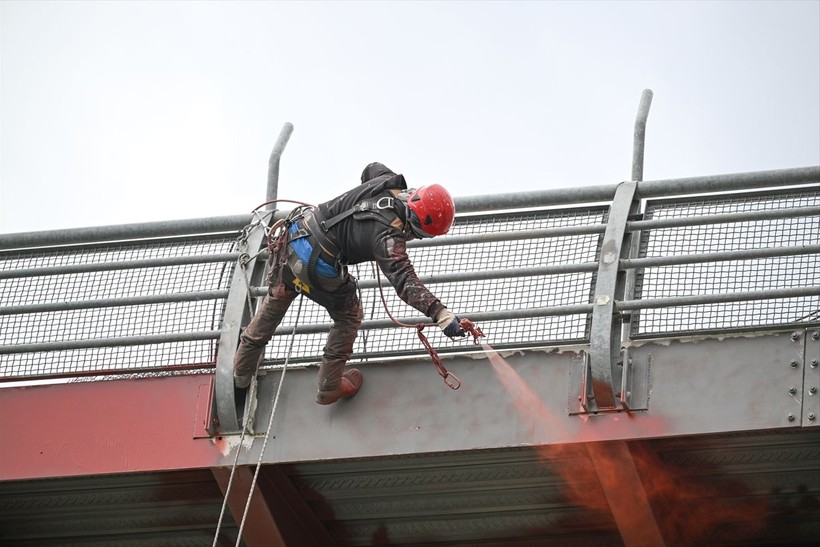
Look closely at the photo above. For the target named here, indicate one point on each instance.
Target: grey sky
(118, 112)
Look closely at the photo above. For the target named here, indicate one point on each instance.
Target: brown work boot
(347, 387)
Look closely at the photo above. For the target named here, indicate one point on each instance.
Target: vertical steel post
(247, 273)
(634, 238)
(273, 162)
(639, 136)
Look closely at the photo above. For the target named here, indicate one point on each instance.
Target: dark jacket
(379, 236)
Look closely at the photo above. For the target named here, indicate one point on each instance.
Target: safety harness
(321, 253)
(374, 205)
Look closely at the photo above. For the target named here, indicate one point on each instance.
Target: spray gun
(470, 327)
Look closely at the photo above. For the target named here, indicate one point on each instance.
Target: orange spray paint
(682, 510)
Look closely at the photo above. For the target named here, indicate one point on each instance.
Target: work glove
(449, 323)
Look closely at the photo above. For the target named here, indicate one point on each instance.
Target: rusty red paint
(103, 427)
(652, 501)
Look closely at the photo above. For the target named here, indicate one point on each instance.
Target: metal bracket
(235, 315)
(606, 369)
(605, 332)
(632, 375)
(205, 420)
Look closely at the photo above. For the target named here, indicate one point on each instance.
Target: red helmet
(432, 210)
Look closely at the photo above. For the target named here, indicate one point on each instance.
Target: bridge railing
(705, 255)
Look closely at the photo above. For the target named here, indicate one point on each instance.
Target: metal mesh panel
(110, 322)
(731, 276)
(502, 291)
(469, 297)
(108, 360)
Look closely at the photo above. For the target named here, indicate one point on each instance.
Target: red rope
(443, 372)
(282, 201)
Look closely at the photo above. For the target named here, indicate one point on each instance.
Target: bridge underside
(727, 453)
(727, 489)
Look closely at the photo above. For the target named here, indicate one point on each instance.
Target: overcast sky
(120, 112)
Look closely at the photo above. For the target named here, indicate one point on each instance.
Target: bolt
(793, 363)
(813, 390)
(791, 417)
(814, 363)
(795, 336)
(815, 335)
(792, 390)
(811, 416)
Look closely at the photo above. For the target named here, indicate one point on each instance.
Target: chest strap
(380, 204)
(325, 242)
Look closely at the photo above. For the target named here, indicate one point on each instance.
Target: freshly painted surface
(103, 427)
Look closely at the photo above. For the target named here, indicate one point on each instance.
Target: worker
(373, 221)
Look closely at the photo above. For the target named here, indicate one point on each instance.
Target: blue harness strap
(303, 249)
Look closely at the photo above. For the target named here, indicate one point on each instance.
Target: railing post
(273, 163)
(639, 136)
(606, 367)
(248, 273)
(634, 238)
(605, 333)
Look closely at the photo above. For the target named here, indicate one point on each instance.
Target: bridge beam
(698, 386)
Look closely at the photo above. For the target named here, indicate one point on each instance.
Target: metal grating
(111, 322)
(737, 489)
(470, 297)
(498, 290)
(178, 508)
(729, 276)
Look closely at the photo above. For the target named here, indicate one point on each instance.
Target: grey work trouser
(338, 347)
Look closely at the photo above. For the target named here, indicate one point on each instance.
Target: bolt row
(813, 364)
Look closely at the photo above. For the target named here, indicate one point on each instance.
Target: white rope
(251, 394)
(270, 424)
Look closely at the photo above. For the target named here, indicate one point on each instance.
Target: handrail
(124, 232)
(118, 265)
(87, 343)
(464, 204)
(718, 298)
(195, 296)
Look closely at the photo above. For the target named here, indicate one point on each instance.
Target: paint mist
(678, 510)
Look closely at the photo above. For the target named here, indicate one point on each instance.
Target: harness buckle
(300, 287)
(388, 203)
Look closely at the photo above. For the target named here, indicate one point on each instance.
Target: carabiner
(452, 385)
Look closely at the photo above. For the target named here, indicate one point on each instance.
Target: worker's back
(357, 234)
